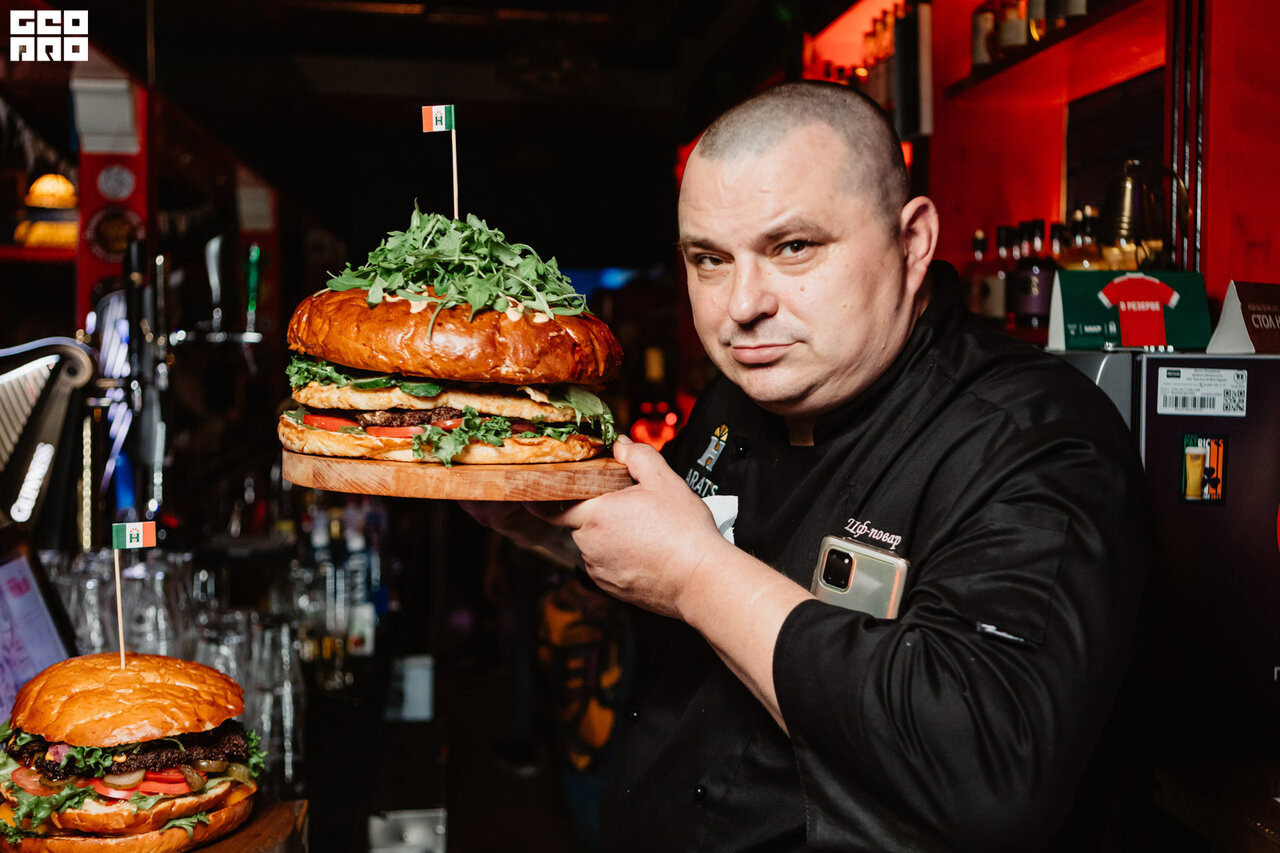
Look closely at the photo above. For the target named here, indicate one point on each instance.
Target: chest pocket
(1005, 567)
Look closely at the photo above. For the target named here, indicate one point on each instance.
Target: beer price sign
(1107, 310)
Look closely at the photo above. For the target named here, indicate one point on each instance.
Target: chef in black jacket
(858, 398)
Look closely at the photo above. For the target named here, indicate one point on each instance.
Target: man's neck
(800, 432)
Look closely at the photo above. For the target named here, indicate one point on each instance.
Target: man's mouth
(757, 354)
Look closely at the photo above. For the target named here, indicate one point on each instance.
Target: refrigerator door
(1116, 373)
(1210, 440)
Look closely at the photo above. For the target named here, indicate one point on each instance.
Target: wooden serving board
(547, 481)
(275, 826)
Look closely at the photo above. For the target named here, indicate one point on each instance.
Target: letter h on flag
(140, 534)
(437, 118)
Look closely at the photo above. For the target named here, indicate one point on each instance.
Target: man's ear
(918, 230)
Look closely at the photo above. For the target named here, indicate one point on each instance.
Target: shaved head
(874, 169)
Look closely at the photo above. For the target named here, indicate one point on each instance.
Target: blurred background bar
(180, 175)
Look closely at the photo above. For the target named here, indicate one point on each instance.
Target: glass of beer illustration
(1195, 456)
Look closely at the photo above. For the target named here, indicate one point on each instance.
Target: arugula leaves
(304, 369)
(142, 802)
(257, 757)
(587, 407)
(18, 736)
(447, 263)
(446, 444)
(32, 810)
(188, 823)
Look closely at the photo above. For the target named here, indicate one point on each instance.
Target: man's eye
(707, 261)
(795, 247)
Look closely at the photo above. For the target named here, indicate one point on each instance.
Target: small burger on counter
(144, 759)
(449, 345)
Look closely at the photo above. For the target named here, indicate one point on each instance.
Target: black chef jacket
(1012, 486)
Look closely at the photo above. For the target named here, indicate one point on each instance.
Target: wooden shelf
(1116, 43)
(37, 254)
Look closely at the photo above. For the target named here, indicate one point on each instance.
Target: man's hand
(643, 544)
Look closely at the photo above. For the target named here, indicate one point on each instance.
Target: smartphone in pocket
(859, 577)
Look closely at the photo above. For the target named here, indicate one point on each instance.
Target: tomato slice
(29, 781)
(448, 423)
(394, 432)
(148, 786)
(112, 793)
(522, 426)
(328, 422)
(164, 776)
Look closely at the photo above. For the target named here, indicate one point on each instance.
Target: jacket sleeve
(967, 722)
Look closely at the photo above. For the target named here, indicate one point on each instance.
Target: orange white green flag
(138, 534)
(439, 117)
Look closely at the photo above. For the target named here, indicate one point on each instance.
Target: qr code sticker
(1232, 400)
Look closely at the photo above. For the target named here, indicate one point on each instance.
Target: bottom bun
(515, 450)
(172, 840)
(122, 817)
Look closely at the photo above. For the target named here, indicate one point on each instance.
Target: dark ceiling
(569, 112)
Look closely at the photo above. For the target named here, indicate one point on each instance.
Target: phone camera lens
(837, 569)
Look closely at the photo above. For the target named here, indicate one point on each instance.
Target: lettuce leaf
(303, 370)
(188, 823)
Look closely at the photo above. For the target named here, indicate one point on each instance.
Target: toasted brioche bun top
(516, 349)
(91, 701)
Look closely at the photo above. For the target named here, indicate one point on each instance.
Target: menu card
(1250, 319)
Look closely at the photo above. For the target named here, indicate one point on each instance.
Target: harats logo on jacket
(701, 483)
(712, 453)
(862, 529)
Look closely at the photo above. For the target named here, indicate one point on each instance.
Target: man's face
(796, 283)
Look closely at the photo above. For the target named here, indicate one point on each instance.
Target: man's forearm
(739, 604)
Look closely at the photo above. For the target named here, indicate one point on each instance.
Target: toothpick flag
(437, 118)
(141, 534)
(440, 117)
(138, 534)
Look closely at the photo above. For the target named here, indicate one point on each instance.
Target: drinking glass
(275, 704)
(224, 642)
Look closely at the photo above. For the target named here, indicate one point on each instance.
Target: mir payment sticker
(1202, 391)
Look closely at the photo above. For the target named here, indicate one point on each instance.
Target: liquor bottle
(1083, 253)
(975, 270)
(1076, 8)
(1036, 20)
(982, 26)
(870, 62)
(888, 55)
(1059, 240)
(1031, 286)
(1056, 14)
(362, 622)
(994, 306)
(1012, 25)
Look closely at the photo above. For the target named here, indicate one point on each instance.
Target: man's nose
(751, 296)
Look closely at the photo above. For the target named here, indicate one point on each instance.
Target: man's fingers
(553, 512)
(644, 463)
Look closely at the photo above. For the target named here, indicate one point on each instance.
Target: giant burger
(144, 759)
(449, 345)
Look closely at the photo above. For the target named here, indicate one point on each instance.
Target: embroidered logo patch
(714, 448)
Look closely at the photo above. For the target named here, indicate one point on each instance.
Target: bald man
(859, 400)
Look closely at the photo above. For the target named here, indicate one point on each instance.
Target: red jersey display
(1141, 301)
